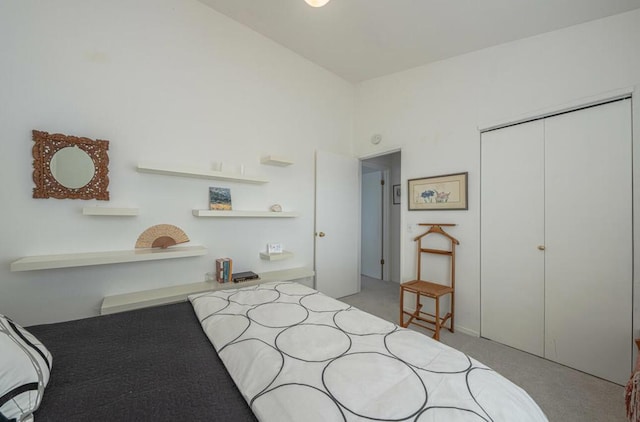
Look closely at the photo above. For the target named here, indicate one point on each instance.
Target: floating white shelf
(43, 262)
(260, 214)
(275, 161)
(276, 256)
(120, 212)
(174, 294)
(174, 170)
(284, 275)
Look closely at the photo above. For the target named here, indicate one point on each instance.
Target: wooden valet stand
(428, 289)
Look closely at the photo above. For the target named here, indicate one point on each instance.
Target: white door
(512, 229)
(337, 224)
(582, 220)
(589, 240)
(371, 224)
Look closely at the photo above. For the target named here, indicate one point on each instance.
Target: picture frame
(444, 192)
(397, 194)
(70, 167)
(220, 199)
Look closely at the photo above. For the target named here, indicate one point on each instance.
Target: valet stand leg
(453, 303)
(402, 306)
(416, 314)
(453, 284)
(436, 335)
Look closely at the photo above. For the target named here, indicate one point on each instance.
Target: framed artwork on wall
(445, 192)
(70, 167)
(396, 194)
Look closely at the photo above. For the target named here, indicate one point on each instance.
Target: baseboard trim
(467, 331)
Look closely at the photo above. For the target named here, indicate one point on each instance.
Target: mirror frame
(47, 145)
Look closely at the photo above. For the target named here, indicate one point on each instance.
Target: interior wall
(168, 81)
(433, 113)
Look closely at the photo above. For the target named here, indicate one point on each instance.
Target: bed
(273, 352)
(151, 364)
(296, 354)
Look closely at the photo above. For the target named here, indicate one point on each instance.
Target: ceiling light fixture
(317, 3)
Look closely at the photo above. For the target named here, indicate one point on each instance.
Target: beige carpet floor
(564, 394)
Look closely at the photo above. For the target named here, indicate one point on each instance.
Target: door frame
(386, 214)
(387, 211)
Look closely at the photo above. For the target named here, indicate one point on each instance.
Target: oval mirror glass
(72, 167)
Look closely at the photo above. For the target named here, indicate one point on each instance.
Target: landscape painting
(219, 199)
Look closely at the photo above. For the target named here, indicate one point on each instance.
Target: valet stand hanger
(429, 289)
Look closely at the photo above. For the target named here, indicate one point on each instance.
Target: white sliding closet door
(556, 238)
(588, 269)
(512, 228)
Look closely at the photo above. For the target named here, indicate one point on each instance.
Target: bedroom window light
(317, 3)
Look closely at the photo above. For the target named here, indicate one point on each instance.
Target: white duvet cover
(298, 355)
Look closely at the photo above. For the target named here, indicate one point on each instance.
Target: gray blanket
(151, 364)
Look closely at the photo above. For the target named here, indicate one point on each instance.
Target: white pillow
(25, 365)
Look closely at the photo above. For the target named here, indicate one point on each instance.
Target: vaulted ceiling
(364, 39)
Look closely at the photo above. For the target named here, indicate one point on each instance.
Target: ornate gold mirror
(70, 167)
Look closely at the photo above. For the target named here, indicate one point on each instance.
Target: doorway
(380, 217)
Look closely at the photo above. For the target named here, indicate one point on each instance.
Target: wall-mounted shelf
(43, 262)
(272, 160)
(285, 275)
(246, 214)
(120, 212)
(174, 170)
(174, 294)
(276, 256)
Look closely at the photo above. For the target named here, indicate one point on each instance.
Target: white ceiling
(364, 39)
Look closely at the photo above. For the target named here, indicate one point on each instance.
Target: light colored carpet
(564, 394)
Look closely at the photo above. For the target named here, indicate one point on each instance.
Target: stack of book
(224, 273)
(223, 270)
(244, 276)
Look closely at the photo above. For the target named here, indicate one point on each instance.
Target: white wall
(165, 81)
(433, 113)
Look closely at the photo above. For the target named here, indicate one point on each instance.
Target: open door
(337, 225)
(372, 223)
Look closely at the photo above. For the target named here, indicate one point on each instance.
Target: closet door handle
(541, 247)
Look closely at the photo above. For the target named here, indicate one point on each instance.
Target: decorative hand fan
(161, 236)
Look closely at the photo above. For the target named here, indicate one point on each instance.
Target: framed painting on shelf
(219, 198)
